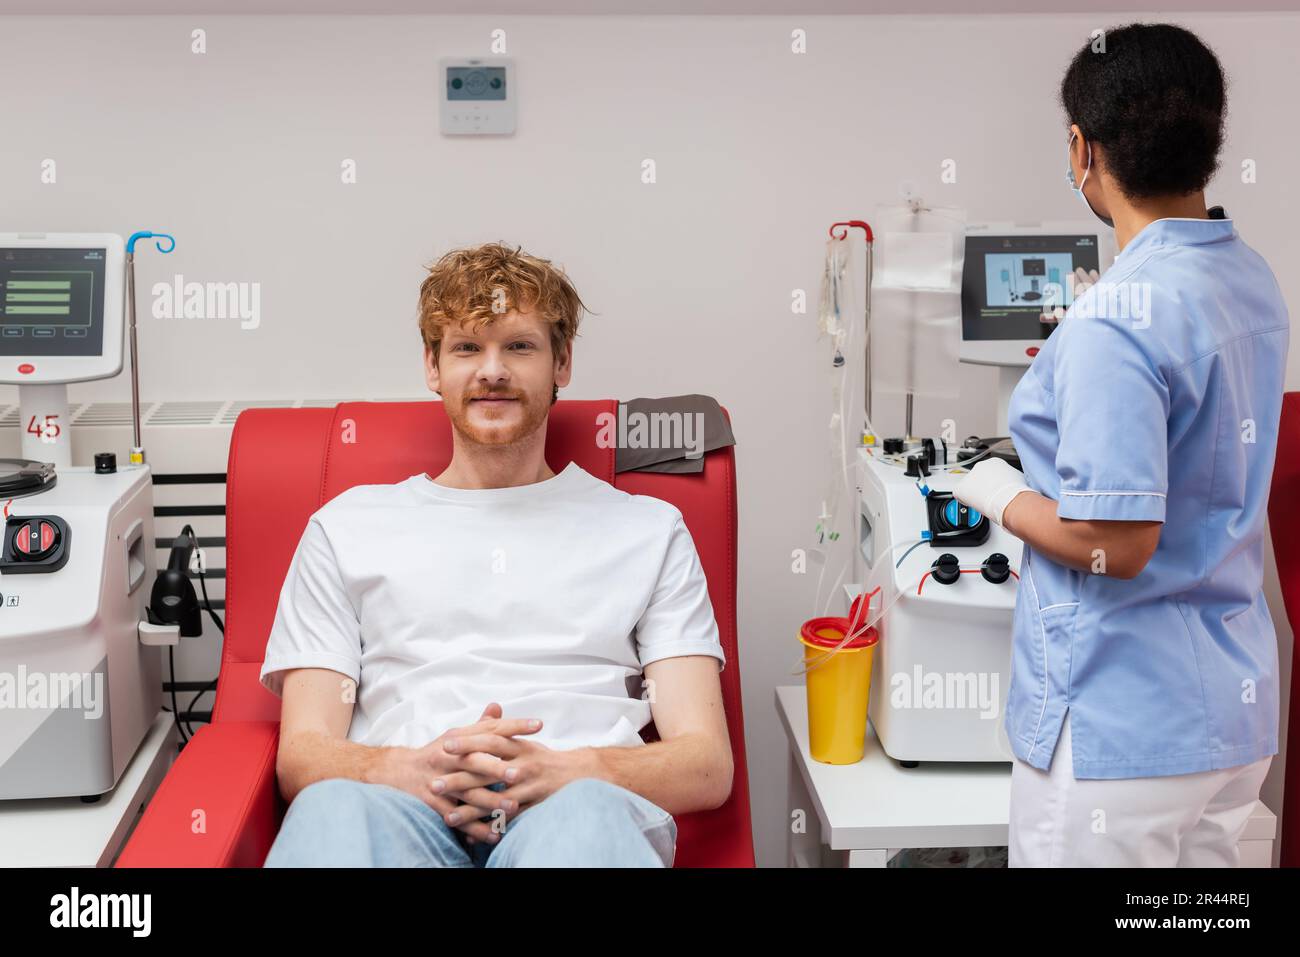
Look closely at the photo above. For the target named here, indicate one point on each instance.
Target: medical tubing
(869, 620)
(962, 569)
(840, 262)
(915, 545)
(872, 618)
(837, 294)
(844, 469)
(837, 263)
(849, 487)
(1001, 445)
(867, 623)
(852, 634)
(833, 512)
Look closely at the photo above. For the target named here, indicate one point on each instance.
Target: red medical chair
(285, 464)
(1284, 524)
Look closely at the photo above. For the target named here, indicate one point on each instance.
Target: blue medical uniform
(1157, 398)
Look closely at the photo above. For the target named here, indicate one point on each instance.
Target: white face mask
(1078, 189)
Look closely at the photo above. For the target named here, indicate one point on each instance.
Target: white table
(861, 815)
(65, 832)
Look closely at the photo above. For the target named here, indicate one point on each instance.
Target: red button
(23, 540)
(27, 368)
(1031, 351)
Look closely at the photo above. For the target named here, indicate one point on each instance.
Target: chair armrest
(218, 806)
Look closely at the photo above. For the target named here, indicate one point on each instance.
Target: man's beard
(505, 433)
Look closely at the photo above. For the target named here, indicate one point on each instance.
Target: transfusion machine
(943, 663)
(80, 669)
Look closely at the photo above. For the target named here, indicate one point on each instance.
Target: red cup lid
(855, 615)
(841, 628)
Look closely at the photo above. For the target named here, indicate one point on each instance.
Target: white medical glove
(1080, 280)
(989, 487)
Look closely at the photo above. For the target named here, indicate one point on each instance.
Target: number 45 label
(49, 432)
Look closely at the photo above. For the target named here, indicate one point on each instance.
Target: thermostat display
(476, 83)
(478, 96)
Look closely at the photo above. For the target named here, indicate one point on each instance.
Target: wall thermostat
(478, 95)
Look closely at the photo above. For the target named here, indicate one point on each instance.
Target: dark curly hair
(1154, 96)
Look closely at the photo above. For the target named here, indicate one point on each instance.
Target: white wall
(237, 152)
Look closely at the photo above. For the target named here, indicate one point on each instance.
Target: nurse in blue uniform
(1143, 703)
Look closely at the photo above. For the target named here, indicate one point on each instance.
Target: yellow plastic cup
(839, 683)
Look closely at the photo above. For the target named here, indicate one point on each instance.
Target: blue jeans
(587, 823)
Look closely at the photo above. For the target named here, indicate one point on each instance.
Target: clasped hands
(453, 773)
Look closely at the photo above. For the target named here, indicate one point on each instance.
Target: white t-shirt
(549, 598)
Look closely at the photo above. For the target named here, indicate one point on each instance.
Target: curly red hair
(481, 283)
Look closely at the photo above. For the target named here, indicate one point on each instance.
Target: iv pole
(137, 449)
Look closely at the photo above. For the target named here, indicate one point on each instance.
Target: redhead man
(471, 693)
